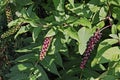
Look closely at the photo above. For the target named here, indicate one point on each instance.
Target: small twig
(105, 27)
(81, 75)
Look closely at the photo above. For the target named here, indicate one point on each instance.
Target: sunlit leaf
(103, 46)
(84, 35)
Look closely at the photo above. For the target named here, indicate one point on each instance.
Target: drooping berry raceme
(8, 14)
(12, 30)
(45, 47)
(90, 46)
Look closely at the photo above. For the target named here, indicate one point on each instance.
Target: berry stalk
(90, 46)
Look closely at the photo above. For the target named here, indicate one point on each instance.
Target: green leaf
(103, 0)
(14, 22)
(35, 33)
(118, 27)
(30, 48)
(119, 36)
(27, 58)
(93, 8)
(31, 14)
(73, 71)
(64, 50)
(49, 65)
(90, 73)
(22, 30)
(70, 31)
(17, 76)
(71, 20)
(53, 31)
(54, 46)
(115, 13)
(95, 3)
(115, 2)
(111, 54)
(114, 36)
(21, 67)
(40, 74)
(101, 24)
(103, 46)
(109, 77)
(32, 22)
(58, 59)
(114, 29)
(23, 3)
(84, 22)
(117, 68)
(71, 2)
(71, 78)
(84, 35)
(54, 50)
(59, 5)
(77, 9)
(103, 13)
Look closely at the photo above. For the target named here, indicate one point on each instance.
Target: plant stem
(105, 27)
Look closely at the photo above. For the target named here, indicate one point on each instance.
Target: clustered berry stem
(12, 30)
(92, 42)
(90, 46)
(45, 47)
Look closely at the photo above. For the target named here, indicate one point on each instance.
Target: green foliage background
(71, 23)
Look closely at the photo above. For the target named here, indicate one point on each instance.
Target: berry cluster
(90, 46)
(8, 14)
(45, 47)
(10, 31)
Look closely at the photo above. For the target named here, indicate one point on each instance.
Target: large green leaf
(83, 21)
(70, 31)
(49, 65)
(103, 46)
(39, 74)
(54, 50)
(111, 54)
(84, 35)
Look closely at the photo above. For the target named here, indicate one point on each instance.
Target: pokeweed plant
(49, 41)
